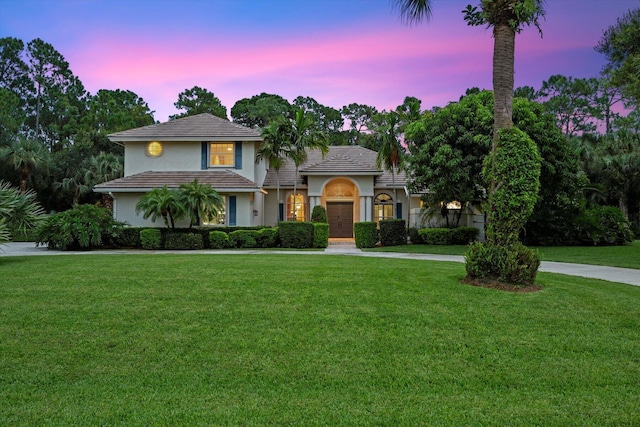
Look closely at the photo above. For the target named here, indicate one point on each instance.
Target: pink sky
(336, 51)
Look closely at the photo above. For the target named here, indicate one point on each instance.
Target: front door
(340, 216)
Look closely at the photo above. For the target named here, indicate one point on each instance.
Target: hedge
(268, 238)
(243, 238)
(393, 232)
(183, 241)
(218, 239)
(151, 238)
(320, 235)
(366, 234)
(295, 234)
(436, 236)
(129, 238)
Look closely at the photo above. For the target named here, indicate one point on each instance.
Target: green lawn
(308, 340)
(627, 256)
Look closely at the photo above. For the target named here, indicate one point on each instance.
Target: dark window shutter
(238, 159)
(399, 211)
(204, 161)
(232, 211)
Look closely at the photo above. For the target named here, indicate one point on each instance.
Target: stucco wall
(177, 156)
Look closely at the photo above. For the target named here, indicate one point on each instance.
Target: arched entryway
(339, 196)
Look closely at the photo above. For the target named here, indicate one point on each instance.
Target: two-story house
(222, 154)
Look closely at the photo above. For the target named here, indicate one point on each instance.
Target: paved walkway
(612, 274)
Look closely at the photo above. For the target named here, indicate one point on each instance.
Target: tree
(25, 155)
(620, 43)
(447, 148)
(274, 149)
(359, 117)
(200, 201)
(20, 213)
(161, 202)
(327, 120)
(260, 110)
(197, 101)
(391, 153)
(59, 97)
(303, 136)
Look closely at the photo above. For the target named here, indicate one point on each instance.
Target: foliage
(366, 234)
(327, 120)
(260, 110)
(162, 202)
(83, 227)
(197, 101)
(20, 213)
(129, 237)
(183, 241)
(359, 117)
(218, 239)
(243, 238)
(603, 226)
(435, 236)
(267, 237)
(393, 232)
(414, 236)
(296, 234)
(274, 148)
(151, 239)
(620, 43)
(320, 235)
(200, 201)
(515, 170)
(464, 235)
(511, 263)
(319, 214)
(25, 156)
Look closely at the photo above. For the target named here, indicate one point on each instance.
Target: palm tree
(161, 202)
(19, 211)
(304, 136)
(274, 150)
(76, 184)
(26, 155)
(200, 200)
(391, 153)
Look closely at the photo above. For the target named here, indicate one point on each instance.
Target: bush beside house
(295, 234)
(393, 232)
(366, 234)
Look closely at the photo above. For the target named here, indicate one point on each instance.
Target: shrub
(183, 241)
(319, 214)
(151, 239)
(393, 232)
(415, 238)
(366, 234)
(218, 239)
(83, 227)
(129, 237)
(436, 236)
(243, 238)
(602, 226)
(268, 238)
(514, 264)
(463, 235)
(295, 234)
(320, 235)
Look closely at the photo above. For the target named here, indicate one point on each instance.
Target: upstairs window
(221, 154)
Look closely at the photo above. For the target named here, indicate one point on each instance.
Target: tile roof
(219, 180)
(200, 127)
(341, 160)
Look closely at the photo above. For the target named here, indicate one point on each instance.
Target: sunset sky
(336, 51)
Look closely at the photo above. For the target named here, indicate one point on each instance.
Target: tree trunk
(395, 194)
(278, 195)
(295, 187)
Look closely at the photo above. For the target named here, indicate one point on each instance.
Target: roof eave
(123, 139)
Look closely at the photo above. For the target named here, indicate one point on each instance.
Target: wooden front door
(340, 217)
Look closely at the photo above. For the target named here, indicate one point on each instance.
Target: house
(222, 154)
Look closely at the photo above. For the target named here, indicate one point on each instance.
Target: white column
(363, 208)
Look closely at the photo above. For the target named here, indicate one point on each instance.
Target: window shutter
(238, 153)
(399, 211)
(204, 162)
(232, 211)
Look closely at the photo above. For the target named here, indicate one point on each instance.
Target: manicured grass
(627, 256)
(308, 340)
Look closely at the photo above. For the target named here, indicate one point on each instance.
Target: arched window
(296, 211)
(382, 207)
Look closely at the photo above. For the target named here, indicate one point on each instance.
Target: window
(221, 154)
(219, 219)
(154, 149)
(296, 207)
(382, 207)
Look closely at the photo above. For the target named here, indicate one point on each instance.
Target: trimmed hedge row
(393, 232)
(296, 234)
(448, 236)
(366, 234)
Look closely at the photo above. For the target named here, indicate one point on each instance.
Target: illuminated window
(219, 219)
(382, 207)
(221, 154)
(154, 149)
(296, 211)
(454, 205)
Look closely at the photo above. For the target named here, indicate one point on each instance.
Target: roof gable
(201, 127)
